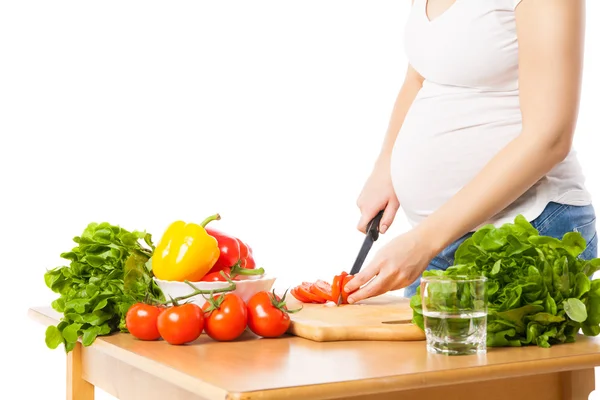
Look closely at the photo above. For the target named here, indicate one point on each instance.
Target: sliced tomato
(299, 296)
(345, 295)
(336, 286)
(304, 291)
(322, 289)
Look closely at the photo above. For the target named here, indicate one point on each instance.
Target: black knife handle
(373, 227)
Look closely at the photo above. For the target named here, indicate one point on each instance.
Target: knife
(372, 234)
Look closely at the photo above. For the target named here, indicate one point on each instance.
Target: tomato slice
(299, 296)
(322, 289)
(345, 295)
(304, 291)
(336, 288)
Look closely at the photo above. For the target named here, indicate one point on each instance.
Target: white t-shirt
(467, 111)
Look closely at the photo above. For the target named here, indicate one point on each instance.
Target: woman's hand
(378, 194)
(398, 264)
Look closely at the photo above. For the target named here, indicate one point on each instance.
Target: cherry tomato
(267, 315)
(141, 321)
(226, 317)
(322, 289)
(181, 324)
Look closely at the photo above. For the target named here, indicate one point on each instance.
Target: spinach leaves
(538, 291)
(107, 274)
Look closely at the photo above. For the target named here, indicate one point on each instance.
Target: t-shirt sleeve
(515, 3)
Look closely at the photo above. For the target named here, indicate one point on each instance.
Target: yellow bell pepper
(185, 252)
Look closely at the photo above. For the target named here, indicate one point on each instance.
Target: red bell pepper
(246, 256)
(232, 250)
(229, 248)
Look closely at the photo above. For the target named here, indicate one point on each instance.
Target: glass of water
(454, 314)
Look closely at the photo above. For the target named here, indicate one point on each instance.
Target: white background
(139, 113)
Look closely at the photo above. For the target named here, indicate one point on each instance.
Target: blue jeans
(555, 220)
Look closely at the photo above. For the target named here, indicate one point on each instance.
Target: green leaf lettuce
(539, 291)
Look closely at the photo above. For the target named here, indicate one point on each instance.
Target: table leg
(77, 387)
(577, 385)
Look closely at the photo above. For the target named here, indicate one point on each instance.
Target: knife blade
(372, 234)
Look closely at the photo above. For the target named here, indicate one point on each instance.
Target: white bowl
(246, 287)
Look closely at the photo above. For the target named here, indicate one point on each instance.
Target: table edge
(356, 387)
(395, 383)
(154, 368)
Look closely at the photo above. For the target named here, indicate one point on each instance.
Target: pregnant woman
(481, 132)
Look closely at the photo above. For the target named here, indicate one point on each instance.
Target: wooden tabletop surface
(251, 364)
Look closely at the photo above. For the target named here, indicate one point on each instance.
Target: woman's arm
(411, 86)
(551, 36)
(378, 192)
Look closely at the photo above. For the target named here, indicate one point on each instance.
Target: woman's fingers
(373, 288)
(388, 215)
(367, 215)
(391, 208)
(364, 276)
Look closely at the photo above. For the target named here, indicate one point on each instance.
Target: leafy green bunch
(539, 291)
(107, 274)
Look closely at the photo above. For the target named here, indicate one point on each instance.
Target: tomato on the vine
(268, 315)
(181, 324)
(141, 321)
(226, 317)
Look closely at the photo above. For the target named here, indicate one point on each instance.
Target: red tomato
(345, 295)
(305, 292)
(216, 276)
(141, 321)
(267, 315)
(181, 324)
(299, 296)
(322, 289)
(336, 287)
(226, 317)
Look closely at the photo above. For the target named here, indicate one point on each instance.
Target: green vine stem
(237, 270)
(197, 291)
(280, 304)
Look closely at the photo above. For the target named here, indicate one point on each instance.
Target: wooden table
(295, 368)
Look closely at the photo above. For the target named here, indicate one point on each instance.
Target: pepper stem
(215, 217)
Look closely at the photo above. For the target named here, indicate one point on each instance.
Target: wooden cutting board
(379, 318)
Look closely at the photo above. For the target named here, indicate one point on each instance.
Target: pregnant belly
(445, 141)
